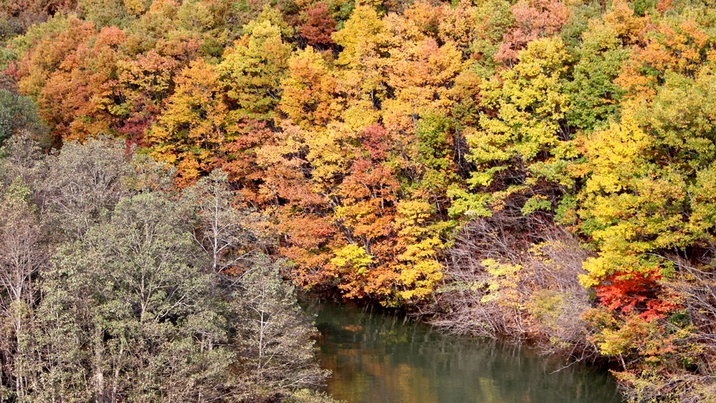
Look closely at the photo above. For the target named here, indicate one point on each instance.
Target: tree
(493, 20)
(253, 69)
(459, 25)
(365, 42)
(310, 94)
(533, 20)
(72, 76)
(19, 16)
(678, 46)
(195, 124)
(275, 335)
(42, 65)
(144, 82)
(317, 27)
(23, 255)
(646, 180)
(18, 113)
(230, 234)
(105, 13)
(144, 306)
(288, 194)
(594, 92)
(365, 201)
(651, 202)
(130, 308)
(84, 183)
(420, 74)
(522, 144)
(419, 243)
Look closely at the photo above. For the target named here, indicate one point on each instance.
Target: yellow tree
(144, 83)
(647, 206)
(195, 124)
(419, 246)
(522, 145)
(310, 94)
(421, 74)
(365, 43)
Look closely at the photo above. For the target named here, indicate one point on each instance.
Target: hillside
(537, 169)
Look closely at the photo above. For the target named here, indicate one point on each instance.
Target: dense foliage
(540, 168)
(113, 287)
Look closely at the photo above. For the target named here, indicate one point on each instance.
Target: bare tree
(275, 336)
(229, 233)
(516, 276)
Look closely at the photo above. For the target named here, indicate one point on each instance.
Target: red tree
(318, 26)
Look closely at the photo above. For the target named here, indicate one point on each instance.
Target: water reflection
(379, 358)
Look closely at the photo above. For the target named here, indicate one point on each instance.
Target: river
(381, 358)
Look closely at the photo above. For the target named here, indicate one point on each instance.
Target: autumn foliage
(379, 136)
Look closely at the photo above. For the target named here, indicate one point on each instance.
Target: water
(380, 358)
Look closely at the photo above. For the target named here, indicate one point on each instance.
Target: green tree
(83, 184)
(143, 306)
(594, 95)
(18, 113)
(523, 143)
(253, 69)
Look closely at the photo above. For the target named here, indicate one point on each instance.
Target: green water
(381, 358)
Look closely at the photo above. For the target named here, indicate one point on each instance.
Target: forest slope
(543, 168)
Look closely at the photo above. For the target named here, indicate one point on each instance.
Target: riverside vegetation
(538, 169)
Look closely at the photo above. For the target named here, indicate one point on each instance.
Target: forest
(538, 170)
